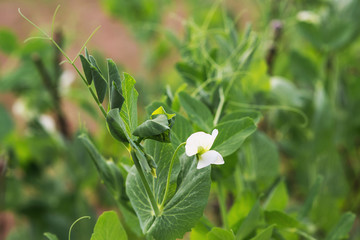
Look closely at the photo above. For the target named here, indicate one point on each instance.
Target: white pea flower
(199, 144)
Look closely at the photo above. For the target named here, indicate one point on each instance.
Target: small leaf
(152, 127)
(250, 222)
(50, 236)
(190, 74)
(108, 227)
(116, 126)
(100, 83)
(264, 234)
(232, 134)
(116, 97)
(94, 63)
(8, 41)
(129, 109)
(198, 112)
(87, 69)
(343, 227)
(281, 219)
(220, 234)
(278, 198)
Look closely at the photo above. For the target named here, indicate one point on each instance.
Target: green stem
(146, 184)
(222, 204)
(220, 107)
(169, 174)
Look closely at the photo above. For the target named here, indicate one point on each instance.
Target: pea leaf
(182, 211)
(129, 109)
(116, 97)
(152, 127)
(250, 222)
(281, 219)
(264, 234)
(108, 227)
(87, 69)
(8, 41)
(343, 227)
(116, 126)
(197, 111)
(232, 134)
(50, 236)
(220, 234)
(100, 83)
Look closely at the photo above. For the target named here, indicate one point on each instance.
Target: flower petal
(210, 157)
(197, 140)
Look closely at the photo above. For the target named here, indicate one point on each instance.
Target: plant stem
(222, 205)
(169, 174)
(220, 107)
(146, 184)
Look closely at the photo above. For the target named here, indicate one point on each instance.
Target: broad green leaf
(197, 111)
(130, 219)
(87, 69)
(129, 109)
(108, 227)
(264, 234)
(117, 126)
(281, 219)
(50, 236)
(107, 170)
(343, 227)
(116, 97)
(181, 130)
(220, 234)
(232, 134)
(100, 83)
(314, 191)
(8, 41)
(278, 198)
(183, 210)
(250, 222)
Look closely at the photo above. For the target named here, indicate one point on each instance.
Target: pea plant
(199, 143)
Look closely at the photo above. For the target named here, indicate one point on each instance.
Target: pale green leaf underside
(129, 108)
(182, 211)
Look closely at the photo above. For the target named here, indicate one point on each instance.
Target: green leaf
(197, 111)
(240, 209)
(250, 222)
(183, 210)
(116, 97)
(87, 69)
(264, 234)
(8, 41)
(281, 219)
(107, 170)
(314, 191)
(94, 63)
(50, 236)
(202, 227)
(108, 227)
(117, 126)
(152, 127)
(278, 198)
(232, 134)
(220, 234)
(343, 227)
(129, 109)
(100, 83)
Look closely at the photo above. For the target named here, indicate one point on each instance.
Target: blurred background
(304, 78)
